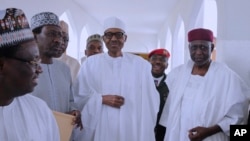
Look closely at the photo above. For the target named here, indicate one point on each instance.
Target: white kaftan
(28, 118)
(219, 98)
(55, 86)
(129, 76)
(73, 64)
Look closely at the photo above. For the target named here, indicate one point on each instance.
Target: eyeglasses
(34, 63)
(118, 35)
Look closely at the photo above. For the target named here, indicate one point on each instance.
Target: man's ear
(212, 47)
(166, 66)
(85, 52)
(125, 38)
(35, 36)
(166, 63)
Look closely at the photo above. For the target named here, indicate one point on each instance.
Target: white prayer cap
(94, 37)
(114, 22)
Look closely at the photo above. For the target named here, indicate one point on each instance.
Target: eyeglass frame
(33, 63)
(114, 34)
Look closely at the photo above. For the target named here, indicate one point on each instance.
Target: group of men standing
(118, 96)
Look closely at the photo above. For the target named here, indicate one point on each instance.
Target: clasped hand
(113, 100)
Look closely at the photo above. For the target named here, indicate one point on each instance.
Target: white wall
(140, 43)
(233, 45)
(233, 31)
(79, 19)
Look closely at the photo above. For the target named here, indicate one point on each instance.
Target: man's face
(159, 64)
(94, 47)
(50, 41)
(20, 71)
(200, 51)
(114, 39)
(65, 41)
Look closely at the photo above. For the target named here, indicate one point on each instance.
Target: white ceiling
(140, 16)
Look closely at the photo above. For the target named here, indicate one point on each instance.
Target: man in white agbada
(23, 117)
(205, 98)
(118, 91)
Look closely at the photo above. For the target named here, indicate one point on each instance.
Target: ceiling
(140, 16)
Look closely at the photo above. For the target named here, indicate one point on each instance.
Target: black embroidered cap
(14, 27)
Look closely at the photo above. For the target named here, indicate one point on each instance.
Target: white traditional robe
(83, 59)
(28, 118)
(129, 76)
(55, 86)
(73, 64)
(220, 98)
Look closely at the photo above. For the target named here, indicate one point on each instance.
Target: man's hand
(113, 100)
(200, 133)
(77, 120)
